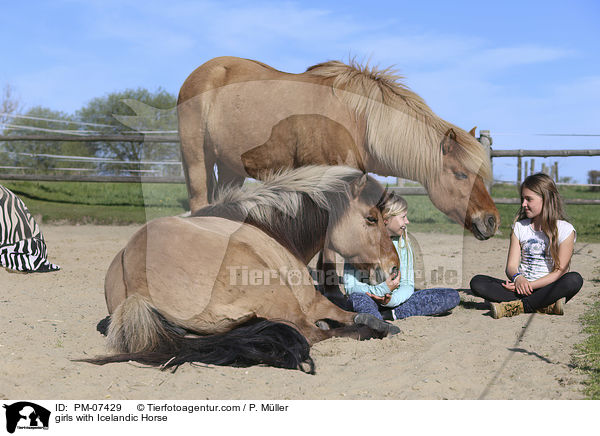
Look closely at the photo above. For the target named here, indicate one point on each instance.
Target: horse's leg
(197, 161)
(357, 326)
(314, 334)
(227, 177)
(327, 272)
(323, 309)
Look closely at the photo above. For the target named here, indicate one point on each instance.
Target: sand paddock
(48, 319)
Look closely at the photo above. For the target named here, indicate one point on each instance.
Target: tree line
(132, 111)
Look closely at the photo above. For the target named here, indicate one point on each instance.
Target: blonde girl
(539, 257)
(396, 298)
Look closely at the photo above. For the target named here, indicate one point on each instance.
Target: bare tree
(9, 105)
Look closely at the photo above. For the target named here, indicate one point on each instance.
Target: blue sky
(517, 68)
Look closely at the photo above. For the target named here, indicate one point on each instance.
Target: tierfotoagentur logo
(26, 415)
(241, 275)
(244, 276)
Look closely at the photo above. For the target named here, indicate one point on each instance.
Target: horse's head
(460, 193)
(360, 235)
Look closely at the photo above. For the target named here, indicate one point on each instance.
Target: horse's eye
(460, 176)
(372, 220)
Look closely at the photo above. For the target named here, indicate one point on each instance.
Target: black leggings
(491, 289)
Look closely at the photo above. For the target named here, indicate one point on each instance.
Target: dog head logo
(26, 415)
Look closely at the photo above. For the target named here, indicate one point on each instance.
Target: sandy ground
(48, 319)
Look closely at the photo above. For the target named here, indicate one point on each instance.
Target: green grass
(125, 203)
(100, 203)
(587, 354)
(587, 357)
(425, 217)
(512, 191)
(585, 217)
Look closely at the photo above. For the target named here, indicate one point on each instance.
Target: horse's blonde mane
(397, 117)
(282, 190)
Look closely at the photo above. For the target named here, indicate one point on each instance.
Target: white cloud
(417, 51)
(492, 59)
(458, 74)
(575, 106)
(209, 27)
(147, 35)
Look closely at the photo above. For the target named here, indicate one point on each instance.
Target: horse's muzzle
(484, 228)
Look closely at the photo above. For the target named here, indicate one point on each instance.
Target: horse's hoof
(394, 330)
(376, 324)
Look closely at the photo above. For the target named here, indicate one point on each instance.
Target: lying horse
(230, 285)
(247, 118)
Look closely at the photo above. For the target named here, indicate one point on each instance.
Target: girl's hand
(393, 281)
(509, 285)
(380, 300)
(522, 286)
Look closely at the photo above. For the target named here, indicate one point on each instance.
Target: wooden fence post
(532, 168)
(486, 141)
(519, 169)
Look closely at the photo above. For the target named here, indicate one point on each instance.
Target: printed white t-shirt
(536, 260)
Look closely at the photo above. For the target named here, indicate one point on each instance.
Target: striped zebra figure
(22, 246)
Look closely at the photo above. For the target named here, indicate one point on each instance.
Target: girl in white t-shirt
(539, 257)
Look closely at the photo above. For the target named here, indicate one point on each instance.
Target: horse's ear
(358, 185)
(448, 141)
(472, 131)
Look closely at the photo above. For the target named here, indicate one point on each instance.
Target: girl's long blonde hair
(396, 205)
(552, 209)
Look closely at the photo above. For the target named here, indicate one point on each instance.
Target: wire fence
(110, 169)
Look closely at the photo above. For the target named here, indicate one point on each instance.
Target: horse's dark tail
(155, 341)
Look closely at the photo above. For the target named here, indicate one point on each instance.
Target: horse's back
(225, 108)
(226, 70)
(231, 106)
(175, 261)
(206, 273)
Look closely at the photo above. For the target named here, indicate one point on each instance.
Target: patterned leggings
(421, 303)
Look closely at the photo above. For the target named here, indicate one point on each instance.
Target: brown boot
(557, 308)
(508, 308)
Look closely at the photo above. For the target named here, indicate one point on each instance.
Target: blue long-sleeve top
(353, 278)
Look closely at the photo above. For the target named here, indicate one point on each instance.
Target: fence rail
(99, 179)
(423, 191)
(93, 138)
(544, 153)
(151, 138)
(175, 138)
(565, 200)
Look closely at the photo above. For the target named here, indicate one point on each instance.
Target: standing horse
(243, 260)
(246, 118)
